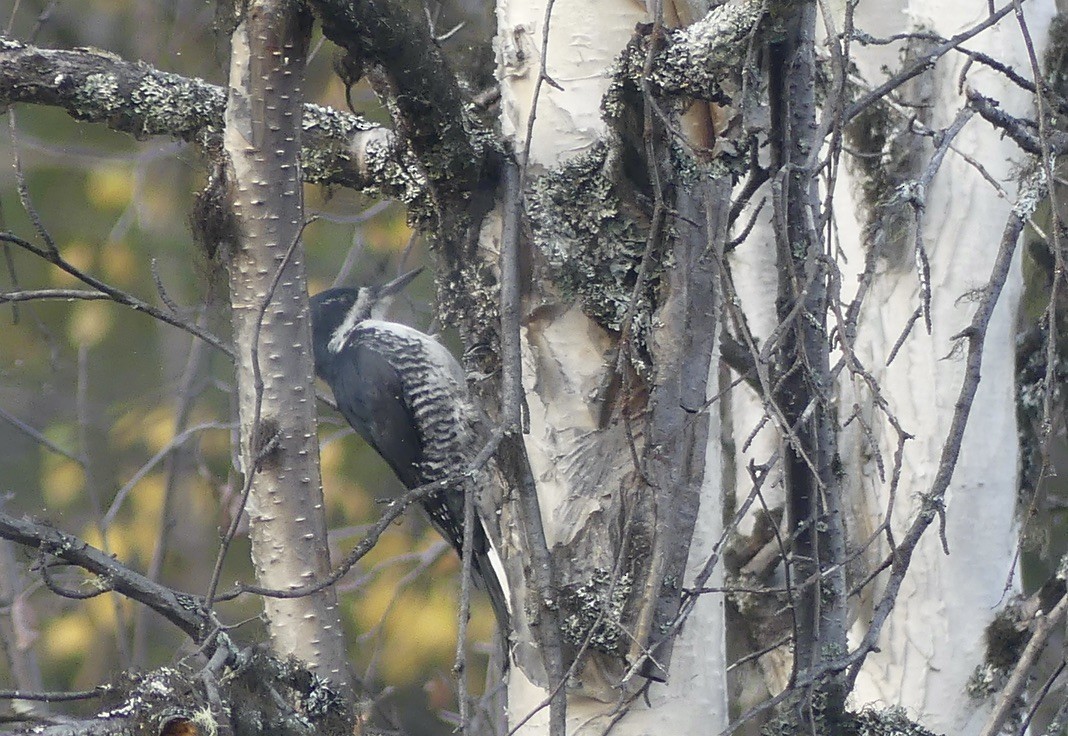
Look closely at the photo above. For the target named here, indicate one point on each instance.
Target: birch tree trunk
(619, 455)
(802, 380)
(933, 645)
(561, 373)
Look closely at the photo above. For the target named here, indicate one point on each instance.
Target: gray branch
(184, 611)
(697, 58)
(338, 148)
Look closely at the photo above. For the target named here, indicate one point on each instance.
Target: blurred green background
(112, 389)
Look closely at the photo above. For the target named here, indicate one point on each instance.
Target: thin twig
(39, 438)
(466, 578)
(1021, 672)
(183, 610)
(1032, 192)
(258, 448)
(117, 295)
(64, 294)
(922, 64)
(176, 442)
(185, 402)
(57, 696)
(548, 630)
(396, 508)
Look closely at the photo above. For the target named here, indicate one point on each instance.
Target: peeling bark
(932, 644)
(617, 354)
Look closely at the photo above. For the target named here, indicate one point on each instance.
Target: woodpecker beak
(397, 284)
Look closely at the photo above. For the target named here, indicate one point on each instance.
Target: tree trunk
(272, 334)
(934, 641)
(619, 430)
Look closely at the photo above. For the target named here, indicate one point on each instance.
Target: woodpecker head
(337, 312)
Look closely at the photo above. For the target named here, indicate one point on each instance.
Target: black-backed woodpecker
(407, 396)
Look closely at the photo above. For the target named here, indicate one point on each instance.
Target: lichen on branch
(339, 148)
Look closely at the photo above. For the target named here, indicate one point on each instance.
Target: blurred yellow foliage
(317, 285)
(347, 498)
(159, 428)
(118, 539)
(62, 481)
(146, 499)
(342, 494)
(101, 611)
(69, 635)
(330, 457)
(90, 322)
(118, 262)
(420, 628)
(109, 187)
(80, 255)
(389, 235)
(391, 544)
(214, 442)
(159, 206)
(153, 428)
(417, 623)
(64, 434)
(198, 497)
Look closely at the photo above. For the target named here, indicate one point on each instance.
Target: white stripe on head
(360, 310)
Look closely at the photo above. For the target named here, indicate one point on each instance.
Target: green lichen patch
(892, 721)
(592, 239)
(701, 55)
(166, 103)
(592, 611)
(468, 297)
(98, 96)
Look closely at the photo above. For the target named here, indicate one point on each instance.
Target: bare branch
(1023, 132)
(68, 295)
(57, 696)
(117, 295)
(338, 148)
(181, 609)
(1031, 193)
(39, 437)
(922, 64)
(696, 59)
(396, 508)
(514, 458)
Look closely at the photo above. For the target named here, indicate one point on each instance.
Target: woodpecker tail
(488, 579)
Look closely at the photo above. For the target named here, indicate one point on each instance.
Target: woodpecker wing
(367, 376)
(369, 394)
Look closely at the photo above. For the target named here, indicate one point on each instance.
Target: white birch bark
(934, 639)
(578, 465)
